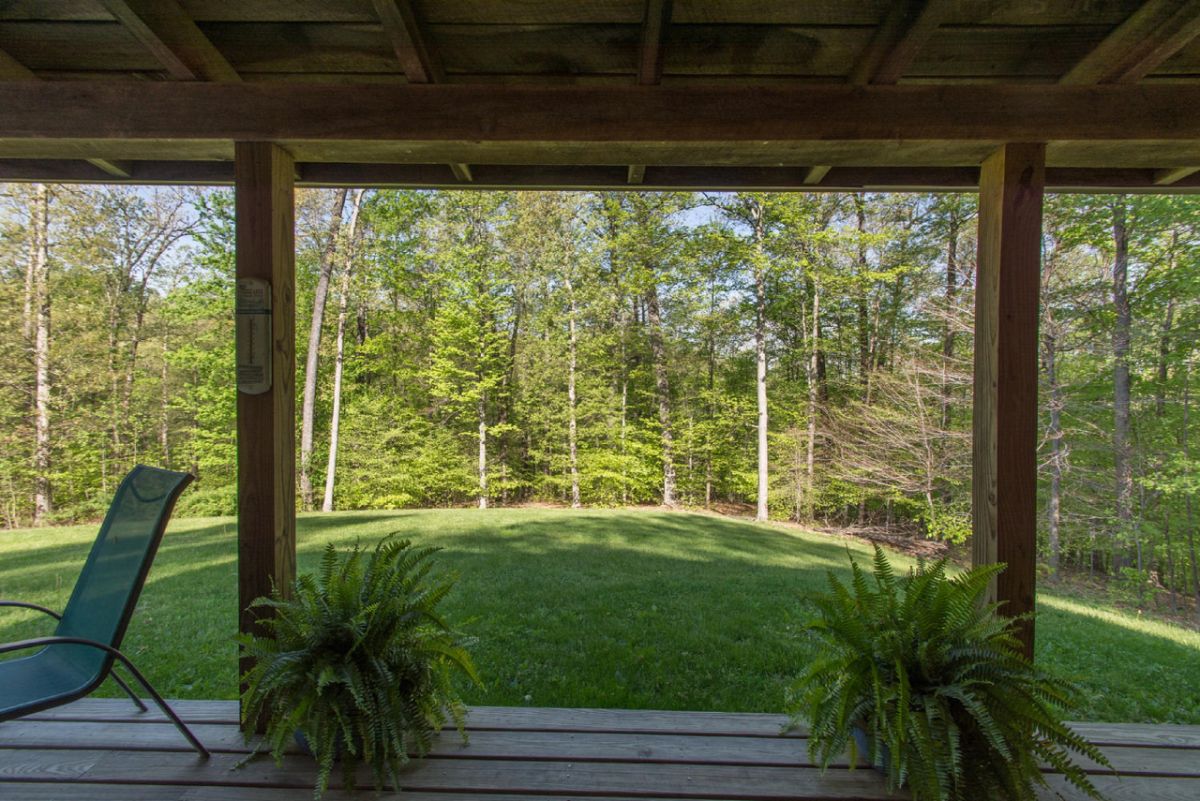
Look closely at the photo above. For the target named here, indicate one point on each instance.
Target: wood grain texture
(899, 36)
(168, 32)
(104, 749)
(13, 70)
(403, 30)
(650, 54)
(1004, 423)
(550, 114)
(1148, 37)
(265, 230)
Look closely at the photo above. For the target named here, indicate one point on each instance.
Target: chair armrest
(35, 607)
(39, 642)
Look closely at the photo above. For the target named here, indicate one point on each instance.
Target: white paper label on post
(253, 336)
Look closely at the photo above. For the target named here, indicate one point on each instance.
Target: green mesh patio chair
(85, 645)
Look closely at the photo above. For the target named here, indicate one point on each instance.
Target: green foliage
(935, 678)
(359, 660)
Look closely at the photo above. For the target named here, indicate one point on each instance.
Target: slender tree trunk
(1121, 384)
(1185, 435)
(1057, 451)
(164, 417)
(31, 269)
(572, 444)
(1164, 346)
(813, 397)
(339, 362)
(864, 311)
(663, 389)
(481, 409)
(762, 512)
(1170, 556)
(43, 502)
(311, 362)
(948, 338)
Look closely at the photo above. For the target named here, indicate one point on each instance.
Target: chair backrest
(108, 588)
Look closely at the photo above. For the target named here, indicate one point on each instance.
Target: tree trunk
(864, 311)
(340, 357)
(1057, 451)
(1184, 435)
(663, 389)
(572, 444)
(314, 350)
(762, 512)
(948, 326)
(813, 397)
(1121, 384)
(1164, 353)
(481, 409)
(164, 418)
(43, 502)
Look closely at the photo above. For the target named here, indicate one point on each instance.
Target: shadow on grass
(595, 608)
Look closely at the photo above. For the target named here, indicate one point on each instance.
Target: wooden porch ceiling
(606, 94)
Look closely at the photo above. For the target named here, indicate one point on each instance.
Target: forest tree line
(802, 356)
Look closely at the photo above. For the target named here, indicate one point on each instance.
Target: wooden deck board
(104, 749)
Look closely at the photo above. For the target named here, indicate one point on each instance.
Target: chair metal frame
(112, 652)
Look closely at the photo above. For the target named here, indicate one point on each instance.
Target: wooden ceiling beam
(420, 65)
(117, 169)
(435, 176)
(1149, 36)
(900, 36)
(650, 59)
(1173, 175)
(403, 30)
(475, 115)
(902, 33)
(650, 54)
(165, 29)
(13, 70)
(814, 175)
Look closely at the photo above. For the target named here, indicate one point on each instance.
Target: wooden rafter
(403, 29)
(650, 58)
(13, 70)
(899, 37)
(814, 175)
(1136, 47)
(1174, 175)
(903, 32)
(650, 54)
(165, 29)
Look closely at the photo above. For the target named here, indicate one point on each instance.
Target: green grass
(628, 608)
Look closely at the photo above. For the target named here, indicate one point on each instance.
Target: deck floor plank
(104, 749)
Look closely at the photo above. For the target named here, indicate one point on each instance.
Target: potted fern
(358, 662)
(930, 680)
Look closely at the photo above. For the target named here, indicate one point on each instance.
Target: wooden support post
(1004, 485)
(266, 422)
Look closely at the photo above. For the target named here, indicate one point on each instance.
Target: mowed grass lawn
(628, 608)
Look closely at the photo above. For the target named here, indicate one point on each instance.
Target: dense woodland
(802, 356)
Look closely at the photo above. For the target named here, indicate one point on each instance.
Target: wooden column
(266, 422)
(1004, 486)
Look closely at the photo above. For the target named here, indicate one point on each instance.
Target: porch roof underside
(695, 94)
